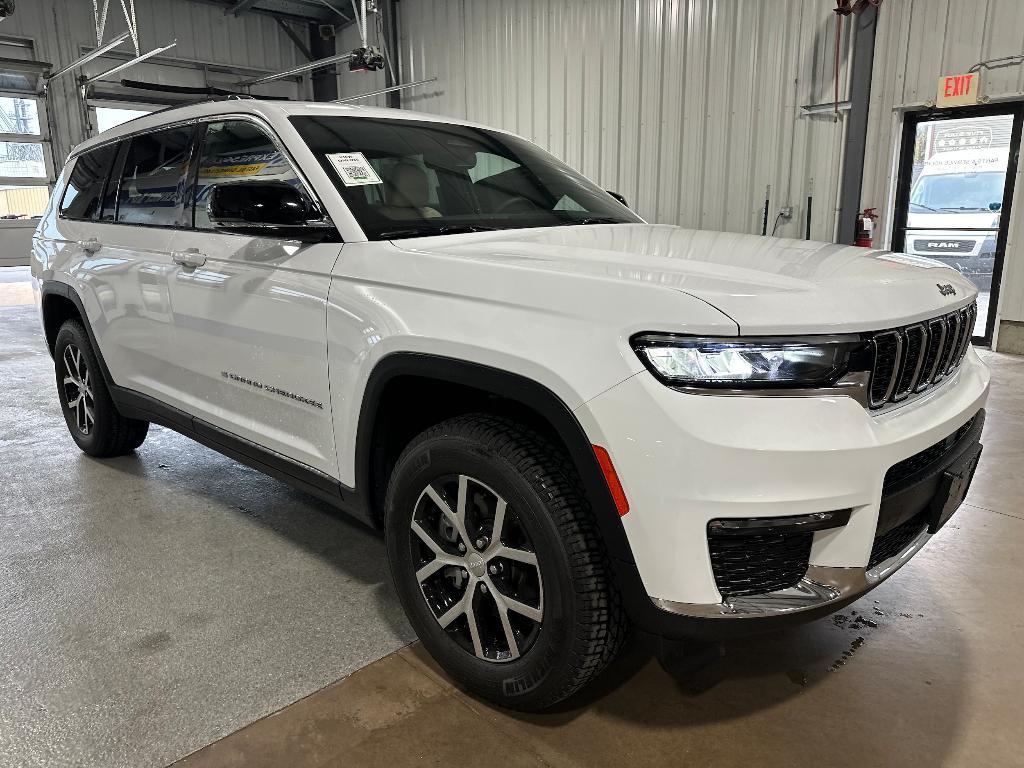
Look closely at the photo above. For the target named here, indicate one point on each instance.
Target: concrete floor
(153, 604)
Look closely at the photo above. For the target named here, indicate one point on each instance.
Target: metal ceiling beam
(303, 48)
(338, 11)
(240, 7)
(298, 17)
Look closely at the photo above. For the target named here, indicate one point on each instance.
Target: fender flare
(510, 386)
(65, 291)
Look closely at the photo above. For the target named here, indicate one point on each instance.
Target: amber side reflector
(612, 478)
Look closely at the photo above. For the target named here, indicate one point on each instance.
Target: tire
(564, 613)
(92, 418)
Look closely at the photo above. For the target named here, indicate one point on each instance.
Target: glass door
(954, 189)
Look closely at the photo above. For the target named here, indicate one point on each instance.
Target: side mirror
(268, 208)
(995, 206)
(618, 197)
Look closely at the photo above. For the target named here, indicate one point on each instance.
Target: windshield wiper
(435, 229)
(593, 220)
(926, 207)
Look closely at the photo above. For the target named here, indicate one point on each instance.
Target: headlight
(748, 363)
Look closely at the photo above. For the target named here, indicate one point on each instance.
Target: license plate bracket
(956, 480)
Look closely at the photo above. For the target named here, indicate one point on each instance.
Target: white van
(954, 210)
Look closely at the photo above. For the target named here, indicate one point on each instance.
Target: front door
(250, 313)
(954, 190)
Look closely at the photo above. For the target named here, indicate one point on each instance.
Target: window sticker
(353, 168)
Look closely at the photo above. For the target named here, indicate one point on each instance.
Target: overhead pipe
(385, 90)
(129, 63)
(300, 69)
(93, 54)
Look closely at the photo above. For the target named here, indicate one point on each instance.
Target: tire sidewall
(533, 676)
(73, 333)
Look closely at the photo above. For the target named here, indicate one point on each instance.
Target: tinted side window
(109, 210)
(237, 151)
(84, 194)
(154, 176)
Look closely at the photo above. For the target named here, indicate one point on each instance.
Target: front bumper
(685, 460)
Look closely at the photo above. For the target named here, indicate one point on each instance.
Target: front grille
(914, 358)
(755, 564)
(922, 460)
(891, 543)
(942, 245)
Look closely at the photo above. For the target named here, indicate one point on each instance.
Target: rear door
(250, 312)
(120, 224)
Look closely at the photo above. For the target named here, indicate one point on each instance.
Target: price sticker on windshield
(353, 168)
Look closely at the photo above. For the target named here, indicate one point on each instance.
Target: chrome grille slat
(970, 318)
(949, 362)
(914, 338)
(914, 358)
(940, 361)
(888, 347)
(936, 337)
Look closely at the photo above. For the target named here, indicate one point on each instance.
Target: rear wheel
(499, 564)
(92, 418)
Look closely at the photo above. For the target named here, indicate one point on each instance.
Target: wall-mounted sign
(966, 137)
(959, 90)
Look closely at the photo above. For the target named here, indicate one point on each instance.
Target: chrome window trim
(256, 120)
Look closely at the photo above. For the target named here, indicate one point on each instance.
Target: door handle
(91, 245)
(190, 258)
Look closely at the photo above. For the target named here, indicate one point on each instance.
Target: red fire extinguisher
(865, 227)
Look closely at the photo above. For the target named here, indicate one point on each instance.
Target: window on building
(24, 181)
(109, 117)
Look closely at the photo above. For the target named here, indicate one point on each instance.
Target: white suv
(565, 420)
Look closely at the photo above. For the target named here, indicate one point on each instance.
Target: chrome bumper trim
(822, 585)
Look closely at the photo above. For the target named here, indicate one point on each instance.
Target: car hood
(954, 220)
(764, 284)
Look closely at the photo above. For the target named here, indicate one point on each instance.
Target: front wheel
(499, 564)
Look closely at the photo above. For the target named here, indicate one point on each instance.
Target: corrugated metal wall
(917, 42)
(59, 28)
(690, 108)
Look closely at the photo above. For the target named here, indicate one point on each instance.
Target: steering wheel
(518, 204)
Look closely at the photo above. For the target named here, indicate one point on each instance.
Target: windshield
(958, 191)
(409, 178)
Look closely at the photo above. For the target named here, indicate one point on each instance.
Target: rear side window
(83, 196)
(154, 178)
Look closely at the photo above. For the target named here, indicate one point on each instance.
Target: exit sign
(959, 90)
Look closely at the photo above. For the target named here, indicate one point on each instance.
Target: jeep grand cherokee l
(565, 420)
